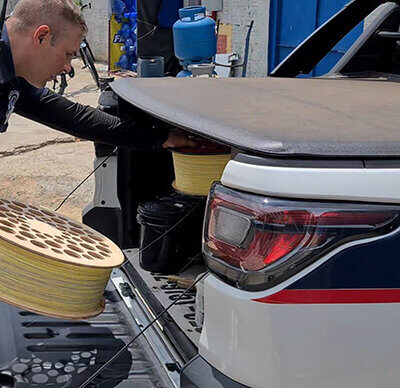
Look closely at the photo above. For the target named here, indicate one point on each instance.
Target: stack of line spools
(171, 226)
(197, 168)
(52, 265)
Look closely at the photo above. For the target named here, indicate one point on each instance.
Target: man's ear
(42, 34)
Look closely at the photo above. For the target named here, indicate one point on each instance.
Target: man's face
(52, 57)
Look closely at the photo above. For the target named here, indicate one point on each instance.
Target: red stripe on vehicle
(333, 296)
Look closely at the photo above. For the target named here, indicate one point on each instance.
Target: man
(40, 40)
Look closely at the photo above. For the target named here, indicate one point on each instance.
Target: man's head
(45, 35)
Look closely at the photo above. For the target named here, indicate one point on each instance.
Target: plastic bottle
(130, 46)
(126, 13)
(125, 31)
(124, 62)
(130, 15)
(119, 8)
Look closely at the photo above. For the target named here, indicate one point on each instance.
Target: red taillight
(264, 246)
(361, 218)
(283, 245)
(253, 233)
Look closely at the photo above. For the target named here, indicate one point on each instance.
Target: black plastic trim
(40, 344)
(106, 220)
(316, 163)
(307, 163)
(198, 373)
(383, 163)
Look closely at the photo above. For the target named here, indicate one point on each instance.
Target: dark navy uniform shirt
(57, 112)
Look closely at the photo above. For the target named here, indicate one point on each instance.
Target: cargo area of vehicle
(159, 292)
(39, 351)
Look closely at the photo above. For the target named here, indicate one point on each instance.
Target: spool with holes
(197, 168)
(52, 265)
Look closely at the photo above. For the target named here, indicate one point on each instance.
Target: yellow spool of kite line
(197, 169)
(52, 265)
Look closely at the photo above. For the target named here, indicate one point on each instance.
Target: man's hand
(179, 139)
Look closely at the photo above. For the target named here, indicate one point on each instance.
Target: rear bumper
(199, 374)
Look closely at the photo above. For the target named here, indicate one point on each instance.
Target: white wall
(97, 21)
(11, 5)
(239, 13)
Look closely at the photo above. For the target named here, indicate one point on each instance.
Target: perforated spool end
(49, 234)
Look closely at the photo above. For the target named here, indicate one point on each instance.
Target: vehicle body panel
(299, 345)
(351, 184)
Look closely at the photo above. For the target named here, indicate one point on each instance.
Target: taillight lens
(250, 238)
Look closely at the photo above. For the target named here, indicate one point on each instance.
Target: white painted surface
(213, 5)
(368, 185)
(303, 346)
(239, 14)
(106, 183)
(97, 21)
(10, 5)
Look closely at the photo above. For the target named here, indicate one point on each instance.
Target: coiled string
(46, 286)
(194, 174)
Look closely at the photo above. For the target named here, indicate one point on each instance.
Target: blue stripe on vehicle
(371, 265)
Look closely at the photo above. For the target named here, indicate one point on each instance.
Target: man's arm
(57, 112)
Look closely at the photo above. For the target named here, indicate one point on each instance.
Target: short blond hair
(34, 13)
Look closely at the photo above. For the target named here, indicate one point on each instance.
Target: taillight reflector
(253, 233)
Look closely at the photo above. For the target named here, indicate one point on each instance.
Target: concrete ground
(40, 166)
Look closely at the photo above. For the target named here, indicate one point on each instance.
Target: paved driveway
(40, 166)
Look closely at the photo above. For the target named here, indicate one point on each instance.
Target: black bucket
(170, 232)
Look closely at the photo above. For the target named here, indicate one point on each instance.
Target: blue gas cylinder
(184, 73)
(195, 39)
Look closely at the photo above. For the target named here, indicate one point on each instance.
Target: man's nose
(67, 68)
